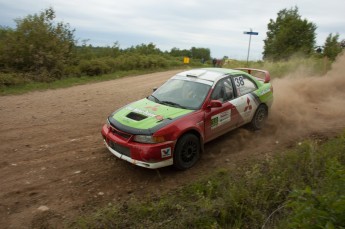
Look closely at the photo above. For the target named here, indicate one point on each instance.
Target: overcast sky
(214, 24)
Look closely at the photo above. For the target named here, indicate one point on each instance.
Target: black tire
(187, 152)
(259, 118)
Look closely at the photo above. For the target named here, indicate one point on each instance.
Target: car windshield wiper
(157, 100)
(173, 104)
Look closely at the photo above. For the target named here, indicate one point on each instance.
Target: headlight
(108, 123)
(148, 139)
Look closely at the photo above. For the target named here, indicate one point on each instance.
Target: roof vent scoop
(195, 72)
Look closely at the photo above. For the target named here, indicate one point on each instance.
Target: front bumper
(150, 156)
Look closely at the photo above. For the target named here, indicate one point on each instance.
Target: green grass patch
(313, 66)
(300, 188)
(11, 83)
(68, 82)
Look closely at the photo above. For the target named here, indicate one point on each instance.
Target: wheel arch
(197, 134)
(264, 105)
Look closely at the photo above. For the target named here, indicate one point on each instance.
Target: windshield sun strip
(193, 79)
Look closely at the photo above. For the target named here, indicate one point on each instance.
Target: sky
(214, 24)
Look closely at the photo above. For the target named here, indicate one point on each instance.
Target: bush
(37, 45)
(321, 203)
(11, 79)
(301, 188)
(94, 67)
(73, 71)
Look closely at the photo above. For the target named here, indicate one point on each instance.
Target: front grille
(120, 149)
(120, 133)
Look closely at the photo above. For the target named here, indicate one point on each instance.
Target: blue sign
(251, 33)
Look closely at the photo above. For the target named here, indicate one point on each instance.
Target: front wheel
(187, 152)
(259, 118)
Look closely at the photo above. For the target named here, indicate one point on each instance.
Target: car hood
(145, 116)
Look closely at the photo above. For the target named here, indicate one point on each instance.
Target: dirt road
(53, 164)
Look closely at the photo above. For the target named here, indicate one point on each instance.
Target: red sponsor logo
(248, 107)
(153, 108)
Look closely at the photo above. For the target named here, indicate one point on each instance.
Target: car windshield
(181, 93)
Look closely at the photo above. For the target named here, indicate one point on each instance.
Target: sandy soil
(54, 166)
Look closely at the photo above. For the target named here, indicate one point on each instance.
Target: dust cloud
(304, 106)
(309, 104)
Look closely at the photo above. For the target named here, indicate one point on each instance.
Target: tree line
(40, 49)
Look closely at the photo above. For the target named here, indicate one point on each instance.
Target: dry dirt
(54, 167)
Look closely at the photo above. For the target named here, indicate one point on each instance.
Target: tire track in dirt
(52, 153)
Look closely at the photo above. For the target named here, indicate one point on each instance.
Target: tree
(144, 49)
(178, 53)
(201, 53)
(38, 45)
(288, 35)
(332, 47)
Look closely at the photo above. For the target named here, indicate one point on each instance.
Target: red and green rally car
(171, 126)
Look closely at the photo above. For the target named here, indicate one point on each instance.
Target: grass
(303, 187)
(296, 65)
(300, 66)
(68, 82)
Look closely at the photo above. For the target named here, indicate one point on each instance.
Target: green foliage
(332, 47)
(301, 188)
(94, 67)
(324, 208)
(38, 45)
(201, 53)
(295, 66)
(144, 49)
(178, 53)
(288, 35)
(88, 52)
(196, 53)
(11, 79)
(321, 203)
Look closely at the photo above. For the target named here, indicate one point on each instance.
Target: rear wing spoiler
(265, 79)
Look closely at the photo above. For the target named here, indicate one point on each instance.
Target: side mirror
(215, 103)
(154, 89)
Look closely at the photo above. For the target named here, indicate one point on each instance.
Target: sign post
(250, 33)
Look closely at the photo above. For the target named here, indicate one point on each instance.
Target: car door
(245, 102)
(219, 120)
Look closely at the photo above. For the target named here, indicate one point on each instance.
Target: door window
(223, 91)
(243, 85)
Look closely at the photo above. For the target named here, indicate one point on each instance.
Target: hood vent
(136, 116)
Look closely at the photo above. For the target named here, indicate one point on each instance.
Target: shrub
(11, 79)
(301, 188)
(94, 67)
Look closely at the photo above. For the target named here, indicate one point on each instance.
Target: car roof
(208, 74)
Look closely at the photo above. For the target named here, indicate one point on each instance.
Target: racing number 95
(239, 81)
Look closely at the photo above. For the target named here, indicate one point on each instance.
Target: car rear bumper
(150, 156)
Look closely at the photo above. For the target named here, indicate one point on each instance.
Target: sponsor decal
(166, 152)
(239, 81)
(153, 108)
(220, 119)
(146, 113)
(201, 123)
(248, 107)
(159, 117)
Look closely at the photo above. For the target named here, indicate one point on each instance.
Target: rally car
(171, 126)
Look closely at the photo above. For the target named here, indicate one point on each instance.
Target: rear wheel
(259, 118)
(187, 152)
